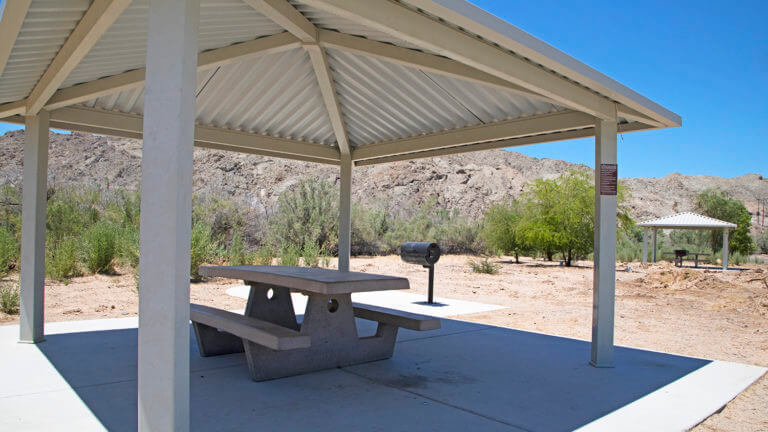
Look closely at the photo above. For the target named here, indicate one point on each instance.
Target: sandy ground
(696, 312)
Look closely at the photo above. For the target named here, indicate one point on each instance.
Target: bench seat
(407, 320)
(255, 330)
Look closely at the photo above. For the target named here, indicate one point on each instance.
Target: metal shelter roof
(687, 220)
(311, 79)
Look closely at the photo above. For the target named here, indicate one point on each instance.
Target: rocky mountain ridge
(468, 182)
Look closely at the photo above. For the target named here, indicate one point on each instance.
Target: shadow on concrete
(463, 377)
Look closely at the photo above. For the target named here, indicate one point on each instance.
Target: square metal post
(33, 203)
(166, 213)
(606, 179)
(345, 212)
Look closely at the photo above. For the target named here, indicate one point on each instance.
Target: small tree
(501, 229)
(716, 204)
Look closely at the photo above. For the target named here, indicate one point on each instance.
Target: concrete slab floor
(464, 376)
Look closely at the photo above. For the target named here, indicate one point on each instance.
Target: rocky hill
(469, 182)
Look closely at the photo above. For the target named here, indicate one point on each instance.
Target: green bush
(236, 253)
(289, 255)
(264, 256)
(308, 213)
(762, 242)
(9, 299)
(223, 216)
(10, 209)
(70, 212)
(9, 251)
(483, 266)
(202, 249)
(310, 255)
(101, 248)
(63, 260)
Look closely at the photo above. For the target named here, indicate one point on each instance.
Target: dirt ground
(695, 312)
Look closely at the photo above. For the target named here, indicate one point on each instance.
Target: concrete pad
(463, 377)
(408, 302)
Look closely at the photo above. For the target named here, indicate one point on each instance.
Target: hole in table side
(333, 305)
(270, 294)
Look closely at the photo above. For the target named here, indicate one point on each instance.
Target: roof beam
(10, 25)
(131, 126)
(417, 59)
(328, 91)
(632, 115)
(286, 16)
(513, 142)
(420, 30)
(115, 83)
(96, 21)
(536, 125)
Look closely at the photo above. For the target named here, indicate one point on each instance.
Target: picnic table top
(308, 279)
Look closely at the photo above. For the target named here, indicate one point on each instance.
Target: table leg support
(212, 342)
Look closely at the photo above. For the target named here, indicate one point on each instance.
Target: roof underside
(261, 82)
(687, 221)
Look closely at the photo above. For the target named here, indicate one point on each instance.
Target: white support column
(654, 244)
(725, 249)
(33, 202)
(645, 245)
(166, 209)
(605, 244)
(345, 212)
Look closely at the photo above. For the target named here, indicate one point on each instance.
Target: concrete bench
(251, 329)
(406, 320)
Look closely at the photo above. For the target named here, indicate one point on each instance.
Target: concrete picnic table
(277, 345)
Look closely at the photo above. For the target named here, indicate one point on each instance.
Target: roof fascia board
(96, 21)
(10, 25)
(535, 125)
(414, 27)
(496, 30)
(512, 142)
(121, 124)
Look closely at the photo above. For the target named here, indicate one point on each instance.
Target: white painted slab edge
(684, 403)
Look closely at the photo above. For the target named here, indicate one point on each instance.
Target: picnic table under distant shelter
(340, 82)
(687, 220)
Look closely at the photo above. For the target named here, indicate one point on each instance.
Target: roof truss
(13, 18)
(96, 21)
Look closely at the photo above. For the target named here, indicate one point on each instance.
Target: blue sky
(705, 60)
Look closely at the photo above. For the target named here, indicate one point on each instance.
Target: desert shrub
(63, 260)
(308, 213)
(715, 203)
(10, 209)
(100, 247)
(223, 216)
(737, 258)
(289, 255)
(454, 232)
(202, 249)
(123, 208)
(9, 251)
(629, 249)
(236, 253)
(369, 224)
(310, 254)
(70, 212)
(9, 299)
(762, 242)
(264, 255)
(483, 266)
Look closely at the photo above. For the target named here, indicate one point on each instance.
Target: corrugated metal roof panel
(275, 95)
(687, 220)
(45, 29)
(123, 47)
(383, 101)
